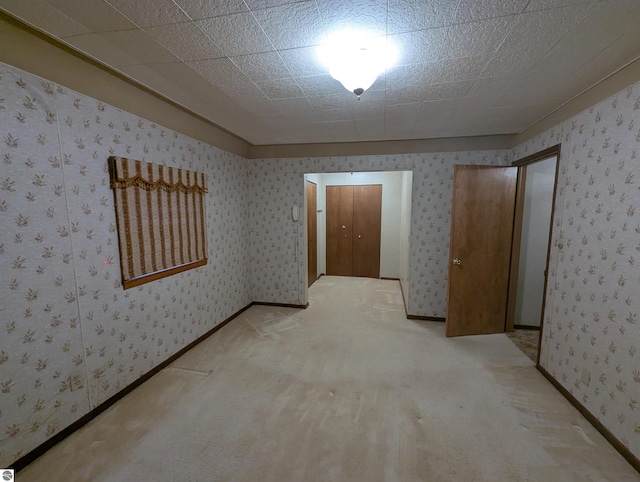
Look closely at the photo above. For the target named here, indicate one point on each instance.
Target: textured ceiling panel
(464, 67)
(236, 34)
(472, 10)
(139, 45)
(199, 9)
(186, 41)
(292, 26)
(150, 14)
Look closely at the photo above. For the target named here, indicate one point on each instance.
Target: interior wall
(390, 220)
(277, 185)
(405, 235)
(71, 336)
(590, 332)
(536, 222)
(321, 222)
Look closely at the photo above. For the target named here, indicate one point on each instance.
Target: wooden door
(339, 229)
(367, 214)
(312, 232)
(480, 249)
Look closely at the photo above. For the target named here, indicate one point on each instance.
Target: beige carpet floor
(346, 390)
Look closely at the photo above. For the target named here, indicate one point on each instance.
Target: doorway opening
(394, 215)
(535, 201)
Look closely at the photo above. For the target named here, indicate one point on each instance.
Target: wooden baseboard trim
(283, 305)
(25, 460)
(526, 327)
(426, 318)
(612, 439)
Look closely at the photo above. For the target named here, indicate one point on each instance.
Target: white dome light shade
(357, 62)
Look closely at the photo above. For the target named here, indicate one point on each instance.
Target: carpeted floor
(346, 390)
(527, 341)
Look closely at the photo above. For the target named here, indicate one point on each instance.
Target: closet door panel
(367, 213)
(339, 230)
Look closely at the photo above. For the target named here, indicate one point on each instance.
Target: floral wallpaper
(71, 337)
(591, 325)
(278, 274)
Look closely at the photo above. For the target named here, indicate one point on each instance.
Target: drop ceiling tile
(343, 131)
(368, 17)
(293, 105)
(472, 10)
(420, 46)
(370, 129)
(438, 110)
(403, 96)
(45, 17)
(511, 63)
(492, 87)
(186, 41)
(236, 34)
(332, 101)
(452, 70)
(548, 4)
(450, 90)
(262, 107)
(603, 18)
(263, 66)
(285, 88)
(309, 133)
(334, 114)
(292, 26)
(183, 76)
(478, 38)
(411, 77)
(150, 14)
(403, 113)
(95, 15)
(574, 51)
(409, 15)
(303, 61)
(201, 9)
(140, 46)
(366, 108)
(539, 31)
(99, 48)
(316, 85)
(223, 74)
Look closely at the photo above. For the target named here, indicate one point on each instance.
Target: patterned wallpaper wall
(591, 333)
(70, 336)
(278, 184)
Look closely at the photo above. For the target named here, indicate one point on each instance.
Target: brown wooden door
(312, 232)
(367, 211)
(339, 229)
(480, 249)
(353, 230)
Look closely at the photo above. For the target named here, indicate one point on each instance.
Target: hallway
(346, 390)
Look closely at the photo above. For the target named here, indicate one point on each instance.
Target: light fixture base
(359, 91)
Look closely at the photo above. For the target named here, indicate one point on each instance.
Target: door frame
(517, 235)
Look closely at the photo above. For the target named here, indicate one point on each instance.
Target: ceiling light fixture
(356, 61)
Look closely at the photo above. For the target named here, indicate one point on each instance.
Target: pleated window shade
(160, 215)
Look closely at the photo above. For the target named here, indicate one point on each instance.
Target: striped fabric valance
(161, 219)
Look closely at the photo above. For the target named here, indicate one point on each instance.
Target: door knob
(359, 236)
(344, 227)
(457, 262)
